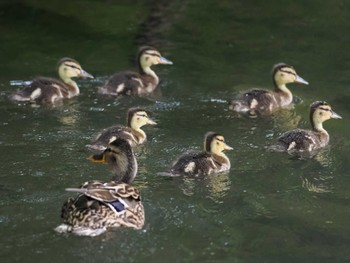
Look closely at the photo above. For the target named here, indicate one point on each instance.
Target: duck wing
(254, 101)
(194, 163)
(107, 192)
(122, 83)
(103, 138)
(297, 140)
(42, 90)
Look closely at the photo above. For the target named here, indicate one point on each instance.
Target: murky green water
(269, 208)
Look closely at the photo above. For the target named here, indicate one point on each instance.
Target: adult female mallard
(300, 140)
(261, 101)
(133, 83)
(132, 132)
(210, 161)
(101, 205)
(45, 90)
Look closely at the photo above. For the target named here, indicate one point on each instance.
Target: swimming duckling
(48, 90)
(132, 83)
(136, 118)
(261, 101)
(100, 205)
(210, 161)
(308, 140)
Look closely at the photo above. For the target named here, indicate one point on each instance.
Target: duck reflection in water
(215, 187)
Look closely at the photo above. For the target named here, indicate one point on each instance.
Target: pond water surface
(269, 208)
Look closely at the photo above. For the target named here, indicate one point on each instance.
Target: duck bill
(300, 80)
(97, 158)
(335, 116)
(163, 60)
(84, 74)
(151, 122)
(227, 147)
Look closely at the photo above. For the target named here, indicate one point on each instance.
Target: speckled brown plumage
(92, 209)
(101, 205)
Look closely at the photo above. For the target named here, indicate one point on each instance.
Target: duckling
(261, 101)
(100, 205)
(132, 83)
(136, 118)
(308, 140)
(210, 161)
(48, 90)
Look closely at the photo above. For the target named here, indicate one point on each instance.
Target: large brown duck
(101, 205)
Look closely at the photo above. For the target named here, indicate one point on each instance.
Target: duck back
(103, 138)
(42, 90)
(255, 101)
(99, 208)
(300, 140)
(194, 163)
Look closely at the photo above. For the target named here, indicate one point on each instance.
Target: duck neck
(284, 93)
(320, 132)
(148, 71)
(72, 87)
(125, 168)
(222, 159)
(318, 126)
(141, 135)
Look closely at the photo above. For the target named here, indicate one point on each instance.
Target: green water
(269, 208)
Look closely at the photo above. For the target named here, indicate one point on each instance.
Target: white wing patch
(35, 94)
(312, 144)
(190, 167)
(54, 98)
(120, 88)
(291, 146)
(253, 104)
(113, 138)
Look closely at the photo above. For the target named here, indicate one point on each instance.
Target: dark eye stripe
(325, 109)
(288, 72)
(220, 140)
(71, 66)
(142, 115)
(152, 54)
